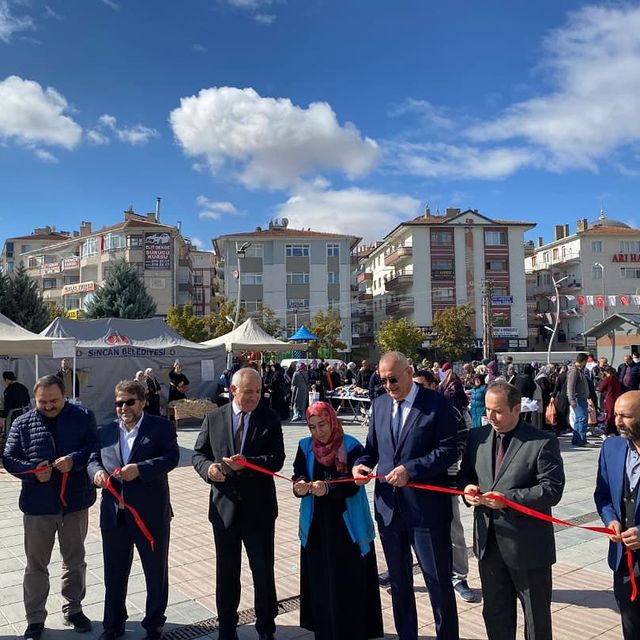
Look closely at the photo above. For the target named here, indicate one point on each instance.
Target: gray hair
(394, 358)
(242, 374)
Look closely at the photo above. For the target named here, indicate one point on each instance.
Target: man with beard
(616, 498)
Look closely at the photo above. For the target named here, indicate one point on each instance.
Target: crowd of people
(428, 424)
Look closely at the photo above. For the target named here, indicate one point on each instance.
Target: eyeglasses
(389, 380)
(130, 402)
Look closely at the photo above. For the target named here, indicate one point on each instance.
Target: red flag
(624, 300)
(600, 302)
(581, 301)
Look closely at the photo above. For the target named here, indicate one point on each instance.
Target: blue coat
(609, 491)
(427, 447)
(30, 442)
(476, 404)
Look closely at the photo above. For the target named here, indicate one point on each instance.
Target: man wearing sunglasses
(136, 452)
(412, 438)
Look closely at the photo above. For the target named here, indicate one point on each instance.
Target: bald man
(616, 498)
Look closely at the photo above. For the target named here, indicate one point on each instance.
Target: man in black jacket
(46, 445)
(629, 375)
(16, 400)
(242, 506)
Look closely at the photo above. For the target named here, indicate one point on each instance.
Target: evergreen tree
(122, 295)
(24, 303)
(4, 294)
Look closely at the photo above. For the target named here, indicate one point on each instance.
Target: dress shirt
(632, 466)
(236, 419)
(128, 438)
(407, 403)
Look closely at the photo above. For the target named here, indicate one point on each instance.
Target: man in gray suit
(242, 507)
(510, 458)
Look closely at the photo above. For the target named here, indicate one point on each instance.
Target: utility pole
(487, 320)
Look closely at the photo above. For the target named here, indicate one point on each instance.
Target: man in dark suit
(412, 438)
(512, 459)
(243, 506)
(629, 374)
(145, 449)
(616, 498)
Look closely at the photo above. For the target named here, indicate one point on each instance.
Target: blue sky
(342, 115)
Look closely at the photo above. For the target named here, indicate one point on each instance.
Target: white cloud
(264, 18)
(249, 4)
(138, 134)
(214, 210)
(31, 115)
(45, 156)
(50, 13)
(594, 65)
(198, 48)
(111, 4)
(267, 141)
(359, 212)
(430, 115)
(197, 243)
(441, 160)
(10, 24)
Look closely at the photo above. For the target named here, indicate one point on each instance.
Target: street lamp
(604, 291)
(557, 322)
(240, 253)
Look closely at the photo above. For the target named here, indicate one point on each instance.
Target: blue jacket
(609, 491)
(357, 518)
(30, 442)
(476, 405)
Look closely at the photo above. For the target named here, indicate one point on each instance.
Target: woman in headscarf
(299, 392)
(451, 387)
(279, 392)
(544, 382)
(179, 382)
(611, 390)
(153, 392)
(339, 592)
(476, 405)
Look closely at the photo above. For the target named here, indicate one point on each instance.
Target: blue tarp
(303, 334)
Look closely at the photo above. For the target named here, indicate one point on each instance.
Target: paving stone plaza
(583, 603)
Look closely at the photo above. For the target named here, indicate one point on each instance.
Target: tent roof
(303, 334)
(250, 336)
(17, 341)
(150, 333)
(612, 322)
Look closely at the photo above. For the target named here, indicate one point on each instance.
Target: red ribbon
(136, 516)
(456, 492)
(63, 483)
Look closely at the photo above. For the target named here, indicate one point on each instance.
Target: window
(496, 265)
(135, 241)
(630, 246)
(90, 247)
(298, 303)
(442, 237)
(199, 296)
(596, 246)
(333, 277)
(70, 279)
(556, 253)
(596, 273)
(545, 256)
(24, 248)
(442, 293)
(254, 251)
(442, 264)
(333, 250)
(113, 241)
(251, 278)
(297, 278)
(49, 283)
(628, 273)
(297, 250)
(9, 247)
(250, 305)
(71, 302)
(500, 291)
(35, 261)
(495, 238)
(198, 279)
(334, 303)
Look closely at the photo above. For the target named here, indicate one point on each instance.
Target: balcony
(363, 296)
(362, 316)
(400, 307)
(364, 276)
(553, 261)
(399, 255)
(366, 339)
(399, 280)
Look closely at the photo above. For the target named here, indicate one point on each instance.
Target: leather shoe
(155, 633)
(266, 636)
(111, 634)
(79, 622)
(34, 631)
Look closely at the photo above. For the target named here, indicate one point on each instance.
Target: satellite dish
(285, 222)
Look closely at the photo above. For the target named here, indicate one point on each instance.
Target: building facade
(436, 262)
(295, 272)
(68, 268)
(597, 272)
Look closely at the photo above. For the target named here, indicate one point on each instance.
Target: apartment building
(296, 272)
(69, 267)
(203, 282)
(435, 262)
(596, 271)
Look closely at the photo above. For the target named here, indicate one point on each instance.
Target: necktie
(500, 453)
(397, 421)
(237, 438)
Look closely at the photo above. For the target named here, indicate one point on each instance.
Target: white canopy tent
(250, 336)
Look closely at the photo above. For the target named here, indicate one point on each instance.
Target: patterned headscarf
(333, 450)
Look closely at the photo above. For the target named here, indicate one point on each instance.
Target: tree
(189, 326)
(266, 317)
(24, 303)
(454, 337)
(327, 326)
(55, 310)
(217, 322)
(122, 295)
(4, 293)
(400, 335)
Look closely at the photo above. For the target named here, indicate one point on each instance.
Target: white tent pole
(73, 377)
(37, 367)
